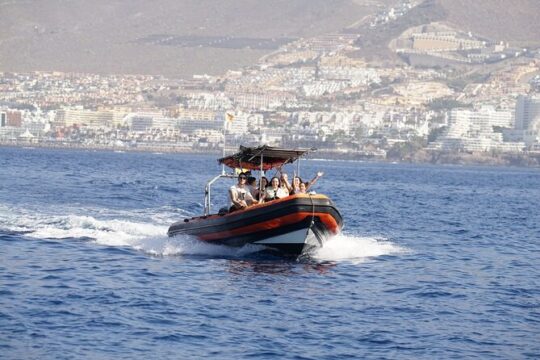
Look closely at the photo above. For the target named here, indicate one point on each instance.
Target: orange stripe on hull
(327, 219)
(270, 204)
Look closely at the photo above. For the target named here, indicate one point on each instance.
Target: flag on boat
(230, 117)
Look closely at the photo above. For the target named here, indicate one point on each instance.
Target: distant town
(454, 98)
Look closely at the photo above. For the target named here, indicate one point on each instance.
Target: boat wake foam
(151, 238)
(355, 249)
(148, 237)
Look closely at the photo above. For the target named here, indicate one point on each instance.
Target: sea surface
(434, 262)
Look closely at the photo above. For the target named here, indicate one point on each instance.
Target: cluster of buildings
(393, 13)
(312, 93)
(438, 45)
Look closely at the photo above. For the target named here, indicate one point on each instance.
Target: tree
(435, 133)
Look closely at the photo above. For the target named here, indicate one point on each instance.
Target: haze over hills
(506, 20)
(490, 19)
(105, 36)
(181, 38)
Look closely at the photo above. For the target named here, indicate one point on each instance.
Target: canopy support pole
(224, 143)
(261, 173)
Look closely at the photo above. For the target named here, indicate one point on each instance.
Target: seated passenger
(297, 183)
(274, 191)
(263, 184)
(252, 187)
(239, 194)
(284, 183)
(302, 188)
(314, 180)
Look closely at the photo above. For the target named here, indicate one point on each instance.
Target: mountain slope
(103, 36)
(515, 21)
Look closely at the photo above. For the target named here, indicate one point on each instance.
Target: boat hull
(291, 225)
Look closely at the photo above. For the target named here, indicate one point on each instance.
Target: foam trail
(148, 233)
(355, 249)
(140, 234)
(186, 245)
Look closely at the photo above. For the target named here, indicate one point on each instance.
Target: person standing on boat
(240, 196)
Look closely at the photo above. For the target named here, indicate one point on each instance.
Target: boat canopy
(264, 156)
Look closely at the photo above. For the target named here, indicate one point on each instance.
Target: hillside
(180, 38)
(115, 36)
(515, 21)
(374, 41)
(491, 19)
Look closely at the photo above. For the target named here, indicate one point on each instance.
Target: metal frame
(207, 189)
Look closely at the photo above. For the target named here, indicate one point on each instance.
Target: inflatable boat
(291, 225)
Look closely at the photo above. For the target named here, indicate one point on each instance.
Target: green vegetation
(400, 151)
(435, 133)
(444, 104)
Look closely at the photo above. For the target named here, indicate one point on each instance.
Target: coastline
(418, 157)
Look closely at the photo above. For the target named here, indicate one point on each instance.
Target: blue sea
(434, 262)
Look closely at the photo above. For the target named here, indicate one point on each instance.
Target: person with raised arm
(297, 183)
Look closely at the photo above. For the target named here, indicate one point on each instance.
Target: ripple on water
(436, 262)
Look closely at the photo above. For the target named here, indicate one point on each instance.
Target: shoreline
(524, 160)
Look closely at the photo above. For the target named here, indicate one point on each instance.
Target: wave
(146, 231)
(355, 249)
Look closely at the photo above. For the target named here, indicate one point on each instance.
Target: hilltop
(513, 21)
(168, 37)
(489, 19)
(179, 38)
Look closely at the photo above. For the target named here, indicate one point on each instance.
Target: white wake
(147, 232)
(355, 249)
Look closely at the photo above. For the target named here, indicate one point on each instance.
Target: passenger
(296, 185)
(284, 184)
(297, 182)
(239, 194)
(302, 188)
(263, 184)
(252, 187)
(274, 191)
(314, 180)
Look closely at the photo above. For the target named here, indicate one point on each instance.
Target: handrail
(207, 191)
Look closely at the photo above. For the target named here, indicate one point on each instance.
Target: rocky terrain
(179, 38)
(104, 36)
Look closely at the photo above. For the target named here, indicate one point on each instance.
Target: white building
(237, 123)
(81, 117)
(527, 112)
(527, 124)
(164, 123)
(474, 130)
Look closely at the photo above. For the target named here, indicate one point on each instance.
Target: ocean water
(433, 262)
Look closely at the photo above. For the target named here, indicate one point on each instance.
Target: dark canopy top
(250, 158)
